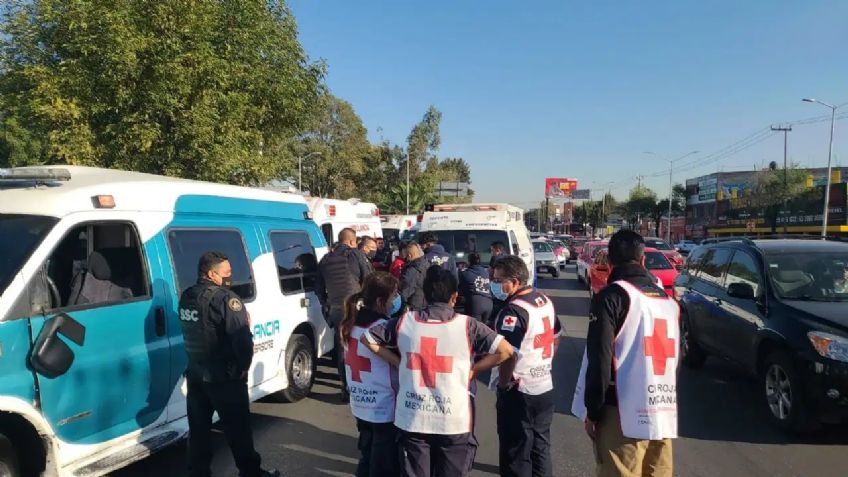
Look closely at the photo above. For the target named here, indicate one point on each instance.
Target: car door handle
(160, 321)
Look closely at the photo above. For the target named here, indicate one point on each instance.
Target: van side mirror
(50, 355)
(741, 290)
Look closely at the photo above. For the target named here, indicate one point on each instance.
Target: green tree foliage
(423, 142)
(335, 150)
(205, 89)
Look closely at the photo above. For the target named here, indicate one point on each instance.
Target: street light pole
(829, 164)
(408, 157)
(300, 169)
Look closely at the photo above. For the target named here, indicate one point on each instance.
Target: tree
(423, 142)
(205, 89)
(338, 144)
(772, 188)
(641, 203)
(453, 169)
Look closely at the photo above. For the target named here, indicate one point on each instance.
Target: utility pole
(408, 158)
(670, 200)
(829, 164)
(785, 130)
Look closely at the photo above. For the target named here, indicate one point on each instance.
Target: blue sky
(582, 89)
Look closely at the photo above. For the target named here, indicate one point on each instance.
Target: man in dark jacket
(412, 278)
(498, 250)
(339, 276)
(474, 288)
(365, 252)
(435, 253)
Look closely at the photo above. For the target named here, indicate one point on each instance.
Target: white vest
(645, 362)
(535, 357)
(371, 380)
(433, 376)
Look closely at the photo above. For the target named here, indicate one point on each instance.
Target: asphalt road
(723, 430)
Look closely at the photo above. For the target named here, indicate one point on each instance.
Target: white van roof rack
(34, 174)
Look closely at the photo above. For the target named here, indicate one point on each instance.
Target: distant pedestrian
(435, 410)
(525, 404)
(435, 253)
(340, 275)
(474, 288)
(219, 345)
(371, 377)
(626, 391)
(412, 278)
(498, 251)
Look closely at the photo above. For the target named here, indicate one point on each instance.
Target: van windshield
(460, 243)
(19, 235)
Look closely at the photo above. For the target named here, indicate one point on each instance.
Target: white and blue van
(92, 265)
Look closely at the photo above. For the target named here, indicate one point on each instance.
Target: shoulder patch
(235, 304)
(508, 323)
(540, 301)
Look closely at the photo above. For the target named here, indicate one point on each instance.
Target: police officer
(525, 405)
(626, 389)
(340, 274)
(435, 253)
(474, 288)
(434, 409)
(219, 345)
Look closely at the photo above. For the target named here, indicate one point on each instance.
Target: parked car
(655, 261)
(546, 261)
(673, 255)
(778, 309)
(575, 246)
(587, 257)
(686, 246)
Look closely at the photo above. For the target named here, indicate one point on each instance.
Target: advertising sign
(559, 187)
(581, 194)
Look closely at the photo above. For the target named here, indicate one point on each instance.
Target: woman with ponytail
(372, 377)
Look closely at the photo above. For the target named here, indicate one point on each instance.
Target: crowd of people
(409, 362)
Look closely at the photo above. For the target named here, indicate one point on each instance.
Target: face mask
(497, 291)
(396, 303)
(227, 282)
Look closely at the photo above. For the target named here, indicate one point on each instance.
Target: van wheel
(300, 366)
(555, 273)
(9, 466)
(783, 394)
(692, 355)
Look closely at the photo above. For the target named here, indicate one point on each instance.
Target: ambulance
(466, 228)
(93, 265)
(397, 226)
(333, 215)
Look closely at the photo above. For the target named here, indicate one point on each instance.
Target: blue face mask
(497, 291)
(396, 303)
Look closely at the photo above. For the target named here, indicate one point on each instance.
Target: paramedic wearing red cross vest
(525, 406)
(372, 378)
(435, 408)
(626, 391)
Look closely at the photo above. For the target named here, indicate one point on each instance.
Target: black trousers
(340, 356)
(437, 455)
(379, 447)
(524, 429)
(231, 400)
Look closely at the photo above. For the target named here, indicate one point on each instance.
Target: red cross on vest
(659, 347)
(358, 364)
(546, 339)
(509, 320)
(429, 362)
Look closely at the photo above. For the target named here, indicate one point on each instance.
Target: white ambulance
(466, 228)
(397, 226)
(332, 215)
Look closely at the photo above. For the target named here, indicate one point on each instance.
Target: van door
(525, 254)
(100, 275)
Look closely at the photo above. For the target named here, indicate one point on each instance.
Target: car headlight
(829, 345)
(553, 262)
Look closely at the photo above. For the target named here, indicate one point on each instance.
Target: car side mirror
(50, 355)
(741, 290)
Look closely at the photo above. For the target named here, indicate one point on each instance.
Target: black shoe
(269, 473)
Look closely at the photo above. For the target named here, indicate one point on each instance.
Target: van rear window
(187, 245)
(460, 243)
(19, 236)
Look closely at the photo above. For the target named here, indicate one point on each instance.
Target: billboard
(559, 187)
(581, 194)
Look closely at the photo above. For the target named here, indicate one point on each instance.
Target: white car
(686, 246)
(546, 261)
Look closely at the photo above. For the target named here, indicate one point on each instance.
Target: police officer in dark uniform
(219, 345)
(435, 253)
(474, 288)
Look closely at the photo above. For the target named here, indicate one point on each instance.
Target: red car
(673, 255)
(586, 257)
(655, 261)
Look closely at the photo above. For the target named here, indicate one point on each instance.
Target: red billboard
(559, 187)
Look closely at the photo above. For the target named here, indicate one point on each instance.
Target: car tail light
(331, 209)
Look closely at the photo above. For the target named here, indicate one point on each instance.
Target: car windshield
(462, 242)
(19, 235)
(541, 247)
(810, 276)
(656, 261)
(657, 244)
(557, 243)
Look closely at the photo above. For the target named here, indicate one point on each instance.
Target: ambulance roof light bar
(468, 207)
(34, 174)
